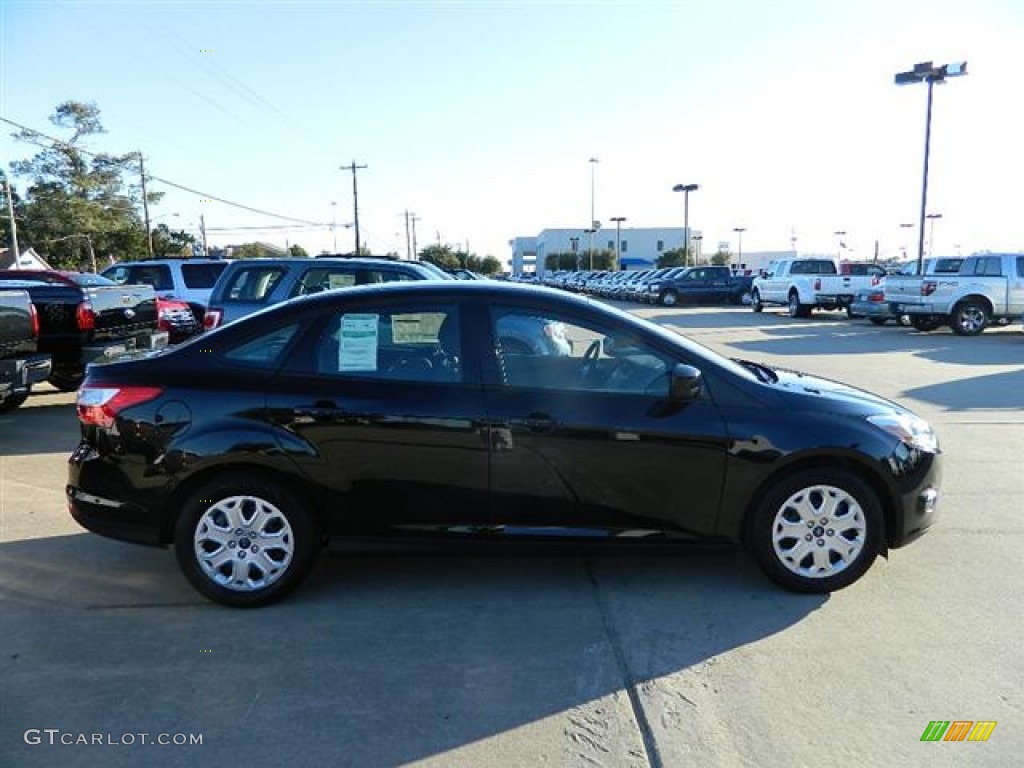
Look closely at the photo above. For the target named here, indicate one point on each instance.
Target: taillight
(928, 287)
(99, 406)
(212, 318)
(877, 296)
(85, 316)
(33, 317)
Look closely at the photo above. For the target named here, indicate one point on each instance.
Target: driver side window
(543, 351)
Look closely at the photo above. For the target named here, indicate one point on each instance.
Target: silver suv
(188, 280)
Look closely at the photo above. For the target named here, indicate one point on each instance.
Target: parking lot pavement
(527, 657)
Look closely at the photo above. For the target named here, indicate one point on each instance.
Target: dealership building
(639, 247)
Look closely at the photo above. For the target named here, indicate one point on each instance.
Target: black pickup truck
(83, 319)
(700, 285)
(21, 365)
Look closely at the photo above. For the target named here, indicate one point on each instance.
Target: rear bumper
(23, 372)
(111, 350)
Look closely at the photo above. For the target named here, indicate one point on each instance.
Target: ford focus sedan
(416, 409)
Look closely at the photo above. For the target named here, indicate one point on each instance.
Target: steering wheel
(590, 358)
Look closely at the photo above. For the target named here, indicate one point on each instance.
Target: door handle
(540, 422)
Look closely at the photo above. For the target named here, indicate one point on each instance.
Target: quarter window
(263, 351)
(253, 284)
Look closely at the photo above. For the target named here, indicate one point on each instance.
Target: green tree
(168, 243)
(490, 266)
(676, 257)
(721, 257)
(76, 199)
(441, 255)
(252, 251)
(297, 251)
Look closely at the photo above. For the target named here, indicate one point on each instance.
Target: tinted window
(810, 267)
(201, 275)
(1020, 266)
(407, 344)
(253, 283)
(265, 350)
(387, 276)
(156, 275)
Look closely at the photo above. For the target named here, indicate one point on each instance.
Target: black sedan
(403, 409)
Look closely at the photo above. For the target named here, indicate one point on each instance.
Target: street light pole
(931, 231)
(334, 224)
(839, 233)
(698, 249)
(618, 235)
(925, 72)
(686, 189)
(739, 249)
(355, 197)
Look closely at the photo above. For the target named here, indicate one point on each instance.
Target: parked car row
(667, 286)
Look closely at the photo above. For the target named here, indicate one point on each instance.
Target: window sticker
(359, 341)
(343, 280)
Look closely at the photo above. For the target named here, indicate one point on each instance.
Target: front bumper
(918, 497)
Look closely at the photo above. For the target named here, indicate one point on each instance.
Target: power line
(241, 206)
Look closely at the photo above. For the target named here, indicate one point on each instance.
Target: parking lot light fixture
(926, 72)
(739, 248)
(618, 239)
(686, 189)
(931, 231)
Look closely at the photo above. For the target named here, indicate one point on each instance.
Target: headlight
(654, 287)
(913, 431)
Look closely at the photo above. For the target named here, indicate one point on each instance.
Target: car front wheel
(669, 298)
(244, 541)
(817, 531)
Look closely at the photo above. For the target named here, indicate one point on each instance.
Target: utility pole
(408, 245)
(14, 225)
(413, 218)
(355, 197)
(145, 207)
(202, 232)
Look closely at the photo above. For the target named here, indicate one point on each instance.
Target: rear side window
(253, 283)
(989, 266)
(201, 275)
(387, 276)
(320, 279)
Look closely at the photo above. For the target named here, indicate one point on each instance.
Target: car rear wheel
(969, 318)
(244, 541)
(755, 301)
(817, 531)
(68, 380)
(796, 309)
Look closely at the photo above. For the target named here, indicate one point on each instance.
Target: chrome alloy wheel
(819, 531)
(243, 543)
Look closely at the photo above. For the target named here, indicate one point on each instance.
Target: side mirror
(686, 383)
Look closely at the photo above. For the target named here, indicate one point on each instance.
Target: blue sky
(480, 117)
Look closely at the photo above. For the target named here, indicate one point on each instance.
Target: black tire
(877, 320)
(969, 318)
(795, 308)
(291, 540)
(755, 301)
(924, 323)
(67, 381)
(669, 298)
(13, 402)
(794, 499)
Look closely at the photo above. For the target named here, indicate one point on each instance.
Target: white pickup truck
(989, 288)
(803, 285)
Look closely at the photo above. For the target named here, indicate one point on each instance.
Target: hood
(817, 393)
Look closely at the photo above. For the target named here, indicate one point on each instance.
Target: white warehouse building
(639, 247)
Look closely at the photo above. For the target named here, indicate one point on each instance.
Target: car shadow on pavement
(997, 391)
(381, 659)
(45, 423)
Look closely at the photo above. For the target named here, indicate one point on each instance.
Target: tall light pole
(618, 240)
(925, 72)
(931, 231)
(686, 189)
(590, 246)
(698, 248)
(840, 233)
(574, 244)
(739, 248)
(903, 244)
(593, 164)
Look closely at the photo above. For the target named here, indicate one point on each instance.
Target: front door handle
(540, 422)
